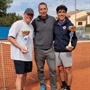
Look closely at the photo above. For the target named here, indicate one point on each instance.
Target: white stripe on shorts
(63, 58)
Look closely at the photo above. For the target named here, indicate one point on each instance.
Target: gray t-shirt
(16, 31)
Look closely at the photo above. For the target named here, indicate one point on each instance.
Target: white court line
(5, 42)
(50, 86)
(77, 42)
(84, 41)
(33, 79)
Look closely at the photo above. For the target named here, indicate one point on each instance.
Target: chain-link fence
(7, 73)
(81, 59)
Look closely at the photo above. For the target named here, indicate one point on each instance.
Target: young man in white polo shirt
(21, 38)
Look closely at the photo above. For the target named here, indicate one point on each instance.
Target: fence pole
(3, 69)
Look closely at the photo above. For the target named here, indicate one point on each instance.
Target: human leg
(22, 68)
(24, 80)
(50, 57)
(69, 77)
(61, 73)
(62, 77)
(20, 81)
(67, 62)
(40, 61)
(60, 67)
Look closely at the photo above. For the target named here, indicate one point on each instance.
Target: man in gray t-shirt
(43, 39)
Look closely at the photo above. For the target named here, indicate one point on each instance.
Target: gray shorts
(63, 58)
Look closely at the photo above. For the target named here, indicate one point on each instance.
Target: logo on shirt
(64, 27)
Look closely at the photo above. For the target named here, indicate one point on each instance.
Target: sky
(19, 6)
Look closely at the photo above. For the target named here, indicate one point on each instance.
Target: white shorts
(63, 58)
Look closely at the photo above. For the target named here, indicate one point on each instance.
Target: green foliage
(88, 25)
(4, 4)
(9, 19)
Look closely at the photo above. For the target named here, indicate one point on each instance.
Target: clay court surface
(81, 69)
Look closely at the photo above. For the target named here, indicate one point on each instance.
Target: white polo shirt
(16, 31)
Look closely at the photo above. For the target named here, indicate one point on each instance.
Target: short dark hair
(61, 7)
(42, 3)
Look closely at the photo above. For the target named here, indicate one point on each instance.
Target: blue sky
(19, 6)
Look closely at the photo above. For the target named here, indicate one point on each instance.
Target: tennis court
(81, 69)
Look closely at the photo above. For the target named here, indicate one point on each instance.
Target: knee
(68, 70)
(61, 68)
(20, 77)
(52, 69)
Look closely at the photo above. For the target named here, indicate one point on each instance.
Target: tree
(4, 4)
(9, 19)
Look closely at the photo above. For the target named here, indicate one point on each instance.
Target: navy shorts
(22, 67)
